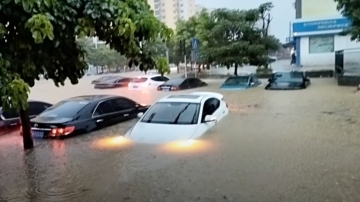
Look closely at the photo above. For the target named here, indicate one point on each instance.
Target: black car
(288, 81)
(11, 118)
(83, 114)
(113, 83)
(104, 78)
(181, 84)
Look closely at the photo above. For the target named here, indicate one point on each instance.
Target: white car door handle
(126, 114)
(99, 120)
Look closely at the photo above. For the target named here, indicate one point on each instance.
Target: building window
(321, 44)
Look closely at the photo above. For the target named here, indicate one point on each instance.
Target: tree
(101, 55)
(39, 37)
(236, 35)
(162, 66)
(350, 10)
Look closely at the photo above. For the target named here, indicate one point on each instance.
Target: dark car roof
(111, 80)
(175, 81)
(106, 78)
(91, 98)
(29, 102)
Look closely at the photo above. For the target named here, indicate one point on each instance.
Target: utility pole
(183, 52)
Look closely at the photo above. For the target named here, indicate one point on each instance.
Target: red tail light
(62, 131)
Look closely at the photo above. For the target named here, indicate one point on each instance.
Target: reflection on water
(116, 142)
(191, 146)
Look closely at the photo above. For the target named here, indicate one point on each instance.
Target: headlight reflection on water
(187, 146)
(112, 142)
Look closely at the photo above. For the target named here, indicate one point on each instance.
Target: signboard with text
(321, 25)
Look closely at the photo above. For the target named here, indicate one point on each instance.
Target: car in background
(272, 59)
(292, 80)
(84, 114)
(181, 84)
(179, 118)
(241, 82)
(104, 78)
(113, 83)
(151, 81)
(9, 119)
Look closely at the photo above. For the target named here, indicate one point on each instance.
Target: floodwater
(274, 146)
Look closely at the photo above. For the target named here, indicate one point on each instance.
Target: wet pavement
(274, 146)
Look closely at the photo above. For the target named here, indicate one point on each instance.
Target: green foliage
(230, 36)
(13, 90)
(350, 10)
(101, 55)
(162, 66)
(39, 37)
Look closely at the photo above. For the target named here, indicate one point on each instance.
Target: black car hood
(50, 120)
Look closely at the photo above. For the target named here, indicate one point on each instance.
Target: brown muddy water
(274, 146)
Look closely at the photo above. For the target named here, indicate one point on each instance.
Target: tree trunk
(26, 129)
(236, 69)
(198, 66)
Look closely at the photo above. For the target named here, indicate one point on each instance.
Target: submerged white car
(151, 81)
(179, 118)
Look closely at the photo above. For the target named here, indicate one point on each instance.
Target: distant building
(171, 11)
(315, 32)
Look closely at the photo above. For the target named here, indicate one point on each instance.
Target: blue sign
(195, 44)
(321, 25)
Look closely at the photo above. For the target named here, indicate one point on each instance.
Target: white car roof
(191, 98)
(147, 76)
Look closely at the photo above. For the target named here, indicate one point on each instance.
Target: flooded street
(274, 146)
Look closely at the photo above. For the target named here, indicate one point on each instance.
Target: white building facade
(316, 33)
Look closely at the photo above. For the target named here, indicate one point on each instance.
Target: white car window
(139, 80)
(173, 113)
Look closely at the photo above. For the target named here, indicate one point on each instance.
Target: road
(274, 146)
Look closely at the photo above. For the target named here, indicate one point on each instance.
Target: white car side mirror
(209, 118)
(252, 83)
(139, 115)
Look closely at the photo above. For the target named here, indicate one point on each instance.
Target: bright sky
(283, 12)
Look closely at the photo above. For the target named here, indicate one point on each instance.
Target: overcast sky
(283, 12)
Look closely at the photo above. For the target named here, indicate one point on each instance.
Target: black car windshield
(288, 77)
(181, 113)
(174, 82)
(239, 80)
(65, 109)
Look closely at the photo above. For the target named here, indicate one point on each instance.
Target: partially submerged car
(113, 83)
(176, 84)
(83, 114)
(293, 80)
(12, 119)
(104, 78)
(179, 118)
(241, 82)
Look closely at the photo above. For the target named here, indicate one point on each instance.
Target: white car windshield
(173, 113)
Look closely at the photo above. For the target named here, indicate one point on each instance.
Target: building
(316, 33)
(171, 11)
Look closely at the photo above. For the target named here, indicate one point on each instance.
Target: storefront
(316, 40)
